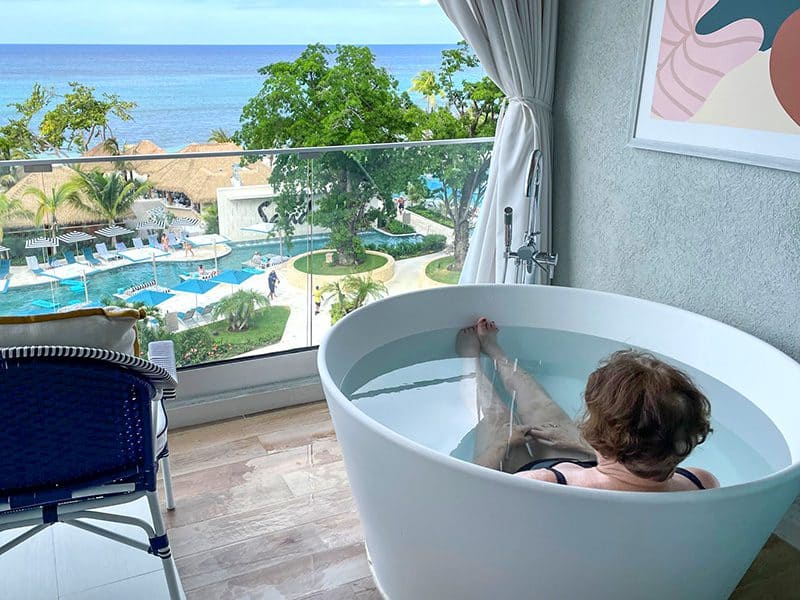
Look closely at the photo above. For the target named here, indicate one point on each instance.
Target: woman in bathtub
(642, 418)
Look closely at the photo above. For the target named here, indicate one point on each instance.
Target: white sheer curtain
(515, 41)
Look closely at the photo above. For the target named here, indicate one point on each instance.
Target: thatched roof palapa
(199, 178)
(66, 215)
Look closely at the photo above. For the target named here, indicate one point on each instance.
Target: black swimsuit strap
(549, 463)
(690, 476)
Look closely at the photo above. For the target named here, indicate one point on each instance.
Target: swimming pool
(103, 284)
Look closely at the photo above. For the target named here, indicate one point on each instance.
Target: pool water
(418, 387)
(102, 284)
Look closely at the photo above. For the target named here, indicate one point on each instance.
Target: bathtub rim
(777, 478)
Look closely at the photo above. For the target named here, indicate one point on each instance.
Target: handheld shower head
(507, 225)
(534, 172)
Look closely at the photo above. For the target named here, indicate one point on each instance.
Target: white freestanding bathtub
(438, 528)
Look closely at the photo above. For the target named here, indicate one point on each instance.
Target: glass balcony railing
(237, 254)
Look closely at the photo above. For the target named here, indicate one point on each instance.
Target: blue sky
(225, 22)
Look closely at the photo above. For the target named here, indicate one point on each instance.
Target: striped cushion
(109, 328)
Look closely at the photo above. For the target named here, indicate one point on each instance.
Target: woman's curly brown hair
(644, 413)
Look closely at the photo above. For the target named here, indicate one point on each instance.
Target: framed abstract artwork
(721, 79)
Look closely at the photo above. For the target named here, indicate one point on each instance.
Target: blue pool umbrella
(232, 276)
(149, 297)
(196, 286)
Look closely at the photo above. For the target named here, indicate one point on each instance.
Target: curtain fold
(515, 41)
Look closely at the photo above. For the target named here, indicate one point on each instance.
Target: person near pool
(164, 242)
(317, 294)
(201, 271)
(642, 418)
(272, 281)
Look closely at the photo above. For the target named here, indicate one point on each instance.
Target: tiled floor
(264, 511)
(68, 563)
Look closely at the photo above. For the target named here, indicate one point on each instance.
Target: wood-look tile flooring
(264, 510)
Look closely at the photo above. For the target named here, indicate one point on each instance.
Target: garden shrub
(397, 228)
(198, 345)
(428, 245)
(433, 215)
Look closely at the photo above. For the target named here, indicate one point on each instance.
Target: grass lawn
(319, 267)
(437, 270)
(266, 328)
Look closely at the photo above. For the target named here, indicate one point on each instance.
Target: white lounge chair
(34, 266)
(104, 254)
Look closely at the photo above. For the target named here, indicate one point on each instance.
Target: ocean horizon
(183, 92)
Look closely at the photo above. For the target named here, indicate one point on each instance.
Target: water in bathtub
(418, 387)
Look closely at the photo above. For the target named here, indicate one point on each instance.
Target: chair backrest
(188, 314)
(102, 249)
(69, 256)
(33, 263)
(87, 253)
(137, 243)
(172, 239)
(121, 247)
(75, 417)
(153, 241)
(5, 266)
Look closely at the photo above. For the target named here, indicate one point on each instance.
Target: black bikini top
(550, 463)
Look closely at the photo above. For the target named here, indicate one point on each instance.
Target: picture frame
(712, 89)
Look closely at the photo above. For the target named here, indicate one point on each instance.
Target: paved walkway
(409, 275)
(428, 227)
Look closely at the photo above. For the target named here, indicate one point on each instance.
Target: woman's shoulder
(538, 475)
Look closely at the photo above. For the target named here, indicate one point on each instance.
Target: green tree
(330, 97)
(210, 216)
(107, 194)
(352, 292)
(112, 147)
(426, 84)
(81, 117)
(10, 209)
(219, 136)
(46, 213)
(75, 122)
(471, 110)
(239, 307)
(17, 138)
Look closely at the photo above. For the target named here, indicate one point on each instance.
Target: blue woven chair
(58, 466)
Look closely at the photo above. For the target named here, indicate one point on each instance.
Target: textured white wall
(717, 238)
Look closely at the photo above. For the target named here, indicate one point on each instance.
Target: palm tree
(425, 83)
(351, 293)
(238, 308)
(10, 208)
(337, 288)
(361, 288)
(112, 148)
(107, 194)
(66, 193)
(219, 136)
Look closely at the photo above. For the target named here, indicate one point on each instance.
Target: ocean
(182, 92)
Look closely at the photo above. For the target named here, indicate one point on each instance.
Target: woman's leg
(533, 406)
(495, 435)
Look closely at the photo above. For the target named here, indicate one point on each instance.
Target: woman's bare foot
(467, 343)
(487, 334)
